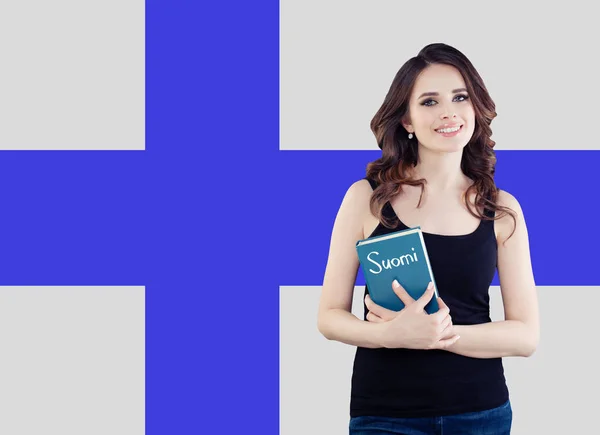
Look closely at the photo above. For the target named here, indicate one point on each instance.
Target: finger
(441, 303)
(446, 343)
(425, 298)
(440, 315)
(402, 293)
(378, 310)
(448, 332)
(374, 318)
(442, 312)
(445, 324)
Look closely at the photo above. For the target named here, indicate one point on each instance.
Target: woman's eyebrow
(435, 94)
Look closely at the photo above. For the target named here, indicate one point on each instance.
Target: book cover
(401, 255)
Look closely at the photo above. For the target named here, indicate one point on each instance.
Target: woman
(416, 373)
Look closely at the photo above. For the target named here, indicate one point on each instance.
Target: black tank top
(427, 383)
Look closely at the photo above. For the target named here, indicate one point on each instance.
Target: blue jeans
(495, 421)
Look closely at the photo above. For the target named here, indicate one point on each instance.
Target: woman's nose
(447, 112)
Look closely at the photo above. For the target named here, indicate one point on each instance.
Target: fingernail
(395, 284)
(430, 286)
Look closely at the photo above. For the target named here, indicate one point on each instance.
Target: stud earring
(410, 135)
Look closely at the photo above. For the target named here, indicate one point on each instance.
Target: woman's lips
(454, 133)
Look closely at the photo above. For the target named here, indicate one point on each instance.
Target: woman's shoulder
(507, 199)
(354, 209)
(506, 223)
(361, 189)
(358, 195)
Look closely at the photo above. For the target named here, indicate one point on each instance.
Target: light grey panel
(338, 59)
(551, 392)
(73, 75)
(72, 360)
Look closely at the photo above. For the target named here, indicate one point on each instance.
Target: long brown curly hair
(399, 153)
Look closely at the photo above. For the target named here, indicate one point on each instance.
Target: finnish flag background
(170, 172)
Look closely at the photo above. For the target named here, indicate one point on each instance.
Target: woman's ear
(405, 121)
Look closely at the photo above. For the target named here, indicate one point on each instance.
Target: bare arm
(518, 335)
(335, 319)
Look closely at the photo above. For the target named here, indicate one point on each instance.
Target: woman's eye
(459, 98)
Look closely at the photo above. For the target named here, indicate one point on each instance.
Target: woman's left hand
(377, 313)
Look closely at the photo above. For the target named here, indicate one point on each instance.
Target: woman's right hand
(414, 328)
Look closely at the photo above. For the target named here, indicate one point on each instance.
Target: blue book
(401, 255)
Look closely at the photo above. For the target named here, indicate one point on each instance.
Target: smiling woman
(414, 372)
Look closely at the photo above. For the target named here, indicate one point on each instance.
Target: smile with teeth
(449, 130)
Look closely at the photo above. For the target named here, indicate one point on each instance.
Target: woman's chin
(446, 147)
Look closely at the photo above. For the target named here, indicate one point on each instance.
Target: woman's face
(440, 100)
